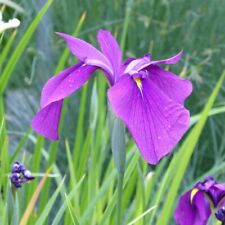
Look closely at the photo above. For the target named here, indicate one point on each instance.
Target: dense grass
(83, 189)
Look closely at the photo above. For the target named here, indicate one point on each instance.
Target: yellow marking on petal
(193, 193)
(138, 82)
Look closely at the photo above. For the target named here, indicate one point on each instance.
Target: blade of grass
(49, 205)
(142, 215)
(80, 125)
(72, 176)
(20, 145)
(7, 47)
(130, 169)
(62, 209)
(213, 111)
(125, 25)
(71, 211)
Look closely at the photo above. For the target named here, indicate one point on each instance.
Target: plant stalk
(120, 195)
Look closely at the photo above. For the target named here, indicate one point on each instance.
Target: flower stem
(119, 154)
(120, 194)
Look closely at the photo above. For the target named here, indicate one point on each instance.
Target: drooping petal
(65, 83)
(172, 60)
(111, 50)
(194, 212)
(172, 85)
(155, 121)
(46, 121)
(87, 53)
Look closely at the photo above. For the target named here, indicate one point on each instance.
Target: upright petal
(136, 65)
(196, 212)
(155, 121)
(111, 49)
(172, 85)
(46, 121)
(217, 193)
(172, 60)
(65, 83)
(144, 62)
(86, 53)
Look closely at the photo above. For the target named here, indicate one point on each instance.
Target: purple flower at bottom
(220, 214)
(196, 205)
(20, 175)
(146, 97)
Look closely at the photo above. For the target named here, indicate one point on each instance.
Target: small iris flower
(198, 204)
(146, 97)
(20, 175)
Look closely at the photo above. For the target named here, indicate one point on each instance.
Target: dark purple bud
(15, 177)
(220, 214)
(20, 175)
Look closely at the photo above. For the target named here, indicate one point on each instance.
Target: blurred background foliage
(160, 27)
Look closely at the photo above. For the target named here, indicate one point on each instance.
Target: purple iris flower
(20, 175)
(146, 97)
(220, 214)
(197, 205)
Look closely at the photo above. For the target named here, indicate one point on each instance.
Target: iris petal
(155, 121)
(46, 121)
(196, 212)
(172, 85)
(136, 65)
(142, 63)
(111, 50)
(65, 83)
(88, 54)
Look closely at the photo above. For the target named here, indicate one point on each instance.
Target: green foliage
(82, 185)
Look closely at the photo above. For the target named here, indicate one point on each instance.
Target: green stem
(125, 25)
(120, 194)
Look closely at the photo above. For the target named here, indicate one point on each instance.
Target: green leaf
(7, 47)
(71, 211)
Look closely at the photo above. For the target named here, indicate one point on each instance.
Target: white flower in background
(13, 23)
